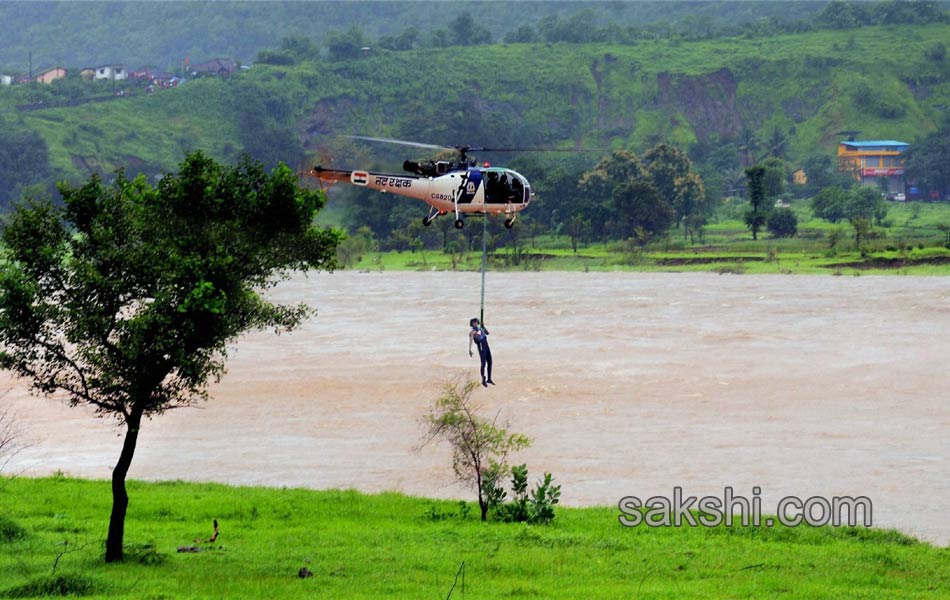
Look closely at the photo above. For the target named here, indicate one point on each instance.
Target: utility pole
(31, 65)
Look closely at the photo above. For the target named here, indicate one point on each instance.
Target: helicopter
(458, 186)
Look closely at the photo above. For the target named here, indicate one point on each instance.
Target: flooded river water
(628, 383)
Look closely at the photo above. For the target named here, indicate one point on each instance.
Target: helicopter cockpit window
(502, 187)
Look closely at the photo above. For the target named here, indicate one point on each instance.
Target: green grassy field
(389, 545)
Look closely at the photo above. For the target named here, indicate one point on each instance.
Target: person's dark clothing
(484, 352)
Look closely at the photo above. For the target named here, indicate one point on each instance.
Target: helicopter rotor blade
(400, 142)
(466, 149)
(533, 149)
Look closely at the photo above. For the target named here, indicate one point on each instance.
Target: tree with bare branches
(479, 445)
(10, 442)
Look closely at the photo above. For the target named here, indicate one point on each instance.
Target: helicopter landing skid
(433, 213)
(459, 223)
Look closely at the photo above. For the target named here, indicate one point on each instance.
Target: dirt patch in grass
(707, 260)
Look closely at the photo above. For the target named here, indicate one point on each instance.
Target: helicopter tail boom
(402, 185)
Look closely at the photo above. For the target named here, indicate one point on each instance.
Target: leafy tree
(300, 47)
(439, 38)
(782, 222)
(755, 218)
(668, 169)
(927, 160)
(638, 205)
(346, 45)
(578, 228)
(755, 221)
(24, 160)
(525, 34)
(842, 14)
(822, 172)
(125, 297)
(579, 28)
(693, 204)
(831, 204)
(478, 445)
(748, 144)
(865, 202)
(554, 180)
(670, 172)
(834, 238)
(465, 31)
(774, 178)
(945, 228)
(407, 40)
(862, 229)
(597, 187)
(777, 142)
(352, 249)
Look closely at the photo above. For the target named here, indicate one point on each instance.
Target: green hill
(161, 33)
(706, 96)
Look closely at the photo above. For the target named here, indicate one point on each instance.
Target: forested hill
(163, 33)
(718, 99)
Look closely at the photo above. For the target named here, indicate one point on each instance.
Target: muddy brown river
(628, 383)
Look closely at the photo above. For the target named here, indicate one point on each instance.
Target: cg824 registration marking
(393, 182)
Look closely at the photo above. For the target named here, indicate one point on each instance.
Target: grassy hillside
(392, 546)
(163, 33)
(148, 133)
(695, 94)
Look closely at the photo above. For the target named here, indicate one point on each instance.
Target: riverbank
(394, 546)
(912, 240)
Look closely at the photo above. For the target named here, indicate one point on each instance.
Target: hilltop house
(217, 67)
(50, 75)
(105, 72)
(153, 77)
(799, 177)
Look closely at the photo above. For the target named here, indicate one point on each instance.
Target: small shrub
(434, 513)
(543, 499)
(782, 222)
(145, 554)
(536, 507)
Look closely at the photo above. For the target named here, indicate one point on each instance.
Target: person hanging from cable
(479, 335)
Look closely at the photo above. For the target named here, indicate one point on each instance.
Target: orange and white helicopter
(459, 186)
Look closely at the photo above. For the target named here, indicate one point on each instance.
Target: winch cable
(484, 262)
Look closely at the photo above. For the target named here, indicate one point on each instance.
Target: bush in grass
(536, 507)
(782, 222)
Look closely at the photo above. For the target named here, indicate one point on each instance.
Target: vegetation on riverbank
(915, 243)
(390, 545)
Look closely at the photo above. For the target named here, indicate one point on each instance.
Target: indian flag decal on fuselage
(359, 177)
